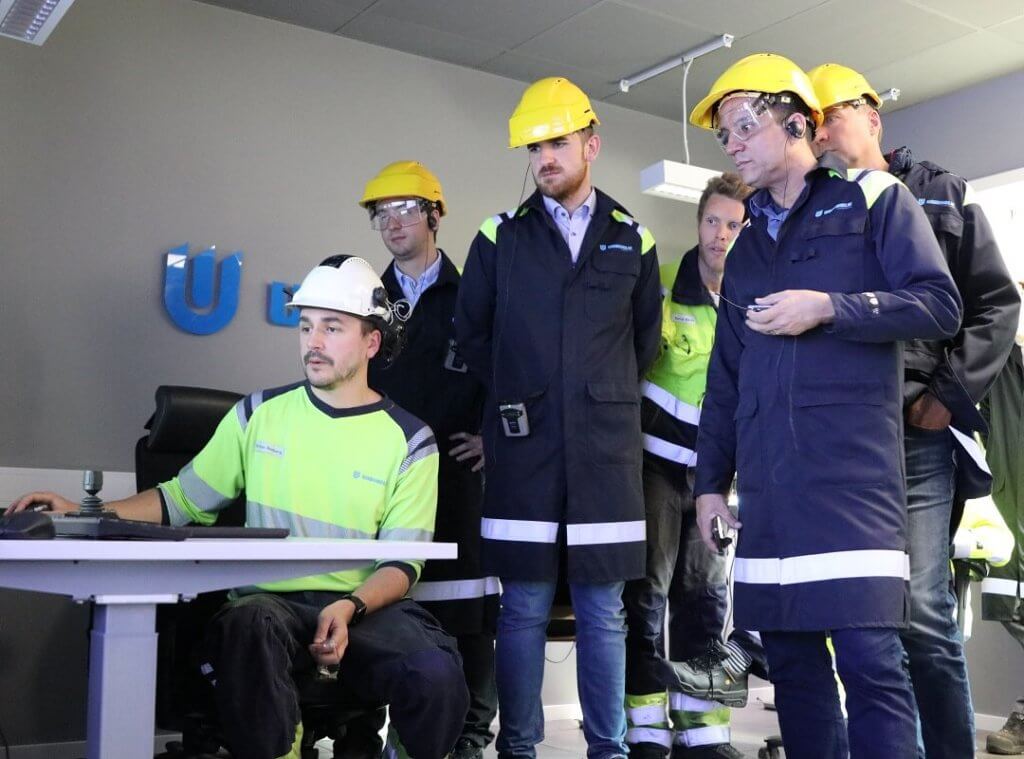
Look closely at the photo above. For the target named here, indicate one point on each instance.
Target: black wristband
(359, 613)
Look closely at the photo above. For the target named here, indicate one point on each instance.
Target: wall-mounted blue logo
(201, 296)
(278, 295)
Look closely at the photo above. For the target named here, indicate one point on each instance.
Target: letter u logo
(197, 300)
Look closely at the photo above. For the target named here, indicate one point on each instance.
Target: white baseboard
(562, 711)
(989, 722)
(16, 481)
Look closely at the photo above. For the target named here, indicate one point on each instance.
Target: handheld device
(757, 307)
(453, 361)
(514, 419)
(719, 533)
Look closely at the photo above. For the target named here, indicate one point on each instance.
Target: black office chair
(184, 420)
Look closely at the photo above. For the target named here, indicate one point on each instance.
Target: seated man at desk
(329, 458)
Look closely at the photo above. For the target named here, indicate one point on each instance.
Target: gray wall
(141, 125)
(972, 132)
(964, 132)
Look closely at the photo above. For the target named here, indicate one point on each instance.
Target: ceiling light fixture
(31, 20)
(671, 179)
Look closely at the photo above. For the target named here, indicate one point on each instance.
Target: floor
(750, 726)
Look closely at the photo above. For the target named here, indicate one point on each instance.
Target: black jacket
(432, 382)
(570, 341)
(960, 371)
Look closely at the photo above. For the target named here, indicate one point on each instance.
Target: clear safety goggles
(405, 212)
(742, 122)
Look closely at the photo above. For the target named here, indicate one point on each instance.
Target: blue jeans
(600, 665)
(935, 651)
(879, 700)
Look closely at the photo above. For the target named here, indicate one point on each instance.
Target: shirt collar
(428, 277)
(553, 206)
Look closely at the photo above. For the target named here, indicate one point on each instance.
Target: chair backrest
(183, 422)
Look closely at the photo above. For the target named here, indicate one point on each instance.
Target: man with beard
(406, 204)
(559, 315)
(680, 570)
(329, 458)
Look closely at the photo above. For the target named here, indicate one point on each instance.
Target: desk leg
(122, 681)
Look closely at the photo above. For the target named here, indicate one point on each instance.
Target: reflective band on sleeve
(455, 590)
(681, 410)
(970, 445)
(996, 586)
(666, 450)
(412, 458)
(818, 567)
(649, 735)
(243, 420)
(201, 495)
(647, 715)
(519, 530)
(601, 533)
(712, 735)
(681, 702)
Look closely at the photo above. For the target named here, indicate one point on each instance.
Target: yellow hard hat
(835, 84)
(549, 108)
(761, 72)
(404, 179)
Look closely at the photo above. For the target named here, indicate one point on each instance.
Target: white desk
(127, 579)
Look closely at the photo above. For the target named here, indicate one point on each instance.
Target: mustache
(310, 355)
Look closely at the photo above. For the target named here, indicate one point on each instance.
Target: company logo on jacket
(617, 246)
(837, 207)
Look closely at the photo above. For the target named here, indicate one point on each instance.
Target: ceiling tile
(948, 67)
(605, 37)
(527, 69)
(737, 17)
(323, 15)
(979, 13)
(865, 34)
(1013, 31)
(500, 23)
(418, 40)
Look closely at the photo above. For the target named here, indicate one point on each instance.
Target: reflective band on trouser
(455, 590)
(677, 453)
(663, 737)
(818, 567)
(681, 702)
(681, 410)
(519, 530)
(647, 715)
(996, 586)
(713, 735)
(599, 533)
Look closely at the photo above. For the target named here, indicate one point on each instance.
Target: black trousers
(255, 649)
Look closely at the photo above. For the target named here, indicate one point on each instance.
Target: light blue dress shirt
(413, 288)
(573, 227)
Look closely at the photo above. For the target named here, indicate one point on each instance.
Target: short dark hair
(728, 184)
(785, 104)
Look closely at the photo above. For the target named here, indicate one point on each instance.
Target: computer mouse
(26, 525)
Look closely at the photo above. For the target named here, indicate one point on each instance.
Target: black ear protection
(431, 222)
(795, 128)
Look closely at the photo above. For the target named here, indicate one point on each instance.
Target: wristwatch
(360, 612)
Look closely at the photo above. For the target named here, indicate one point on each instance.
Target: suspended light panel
(31, 20)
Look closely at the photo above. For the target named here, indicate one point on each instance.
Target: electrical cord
(686, 129)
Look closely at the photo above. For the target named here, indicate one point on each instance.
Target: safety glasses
(405, 212)
(742, 122)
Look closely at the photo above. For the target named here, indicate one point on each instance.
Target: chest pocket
(611, 278)
(830, 255)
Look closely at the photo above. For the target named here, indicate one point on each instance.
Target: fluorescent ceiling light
(676, 181)
(31, 20)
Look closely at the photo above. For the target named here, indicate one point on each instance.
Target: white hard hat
(344, 283)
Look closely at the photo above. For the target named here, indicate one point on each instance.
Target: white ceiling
(925, 47)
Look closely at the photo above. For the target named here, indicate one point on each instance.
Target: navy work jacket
(570, 342)
(812, 425)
